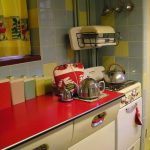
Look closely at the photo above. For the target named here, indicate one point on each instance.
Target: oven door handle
(131, 109)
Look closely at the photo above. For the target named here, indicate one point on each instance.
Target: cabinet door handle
(41, 147)
(132, 148)
(130, 109)
(98, 119)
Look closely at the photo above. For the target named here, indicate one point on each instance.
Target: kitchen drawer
(57, 139)
(98, 140)
(90, 123)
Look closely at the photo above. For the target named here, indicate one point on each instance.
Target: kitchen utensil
(106, 9)
(66, 95)
(90, 89)
(119, 7)
(129, 5)
(115, 74)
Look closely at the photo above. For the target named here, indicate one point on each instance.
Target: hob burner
(119, 86)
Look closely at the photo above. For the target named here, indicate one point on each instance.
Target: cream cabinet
(57, 139)
(96, 130)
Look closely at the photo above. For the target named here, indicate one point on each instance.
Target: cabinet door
(94, 121)
(102, 139)
(58, 139)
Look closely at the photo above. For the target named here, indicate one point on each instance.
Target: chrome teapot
(90, 89)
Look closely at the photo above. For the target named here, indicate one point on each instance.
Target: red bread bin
(69, 76)
(5, 94)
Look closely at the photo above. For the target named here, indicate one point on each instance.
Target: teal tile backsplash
(54, 23)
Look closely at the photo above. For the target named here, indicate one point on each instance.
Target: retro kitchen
(74, 74)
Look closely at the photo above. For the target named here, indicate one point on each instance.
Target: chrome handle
(129, 110)
(132, 148)
(101, 85)
(41, 147)
(98, 120)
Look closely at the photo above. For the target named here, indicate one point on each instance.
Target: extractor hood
(88, 37)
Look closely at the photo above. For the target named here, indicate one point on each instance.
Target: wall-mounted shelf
(92, 37)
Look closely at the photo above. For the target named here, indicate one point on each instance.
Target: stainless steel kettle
(115, 74)
(90, 89)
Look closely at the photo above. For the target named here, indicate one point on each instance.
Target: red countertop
(28, 119)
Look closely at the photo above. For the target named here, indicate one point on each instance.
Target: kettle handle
(101, 85)
(121, 68)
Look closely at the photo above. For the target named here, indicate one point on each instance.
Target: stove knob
(124, 100)
(134, 93)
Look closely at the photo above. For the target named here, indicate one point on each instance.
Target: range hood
(88, 37)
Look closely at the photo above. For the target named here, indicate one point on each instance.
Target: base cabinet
(103, 139)
(58, 139)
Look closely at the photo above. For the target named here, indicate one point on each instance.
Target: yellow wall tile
(122, 49)
(108, 20)
(48, 69)
(40, 86)
(69, 5)
(82, 18)
(107, 61)
(33, 15)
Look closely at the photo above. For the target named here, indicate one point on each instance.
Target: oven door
(128, 130)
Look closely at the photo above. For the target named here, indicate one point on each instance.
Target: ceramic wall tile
(121, 19)
(123, 31)
(70, 22)
(135, 33)
(136, 49)
(18, 70)
(135, 18)
(35, 68)
(57, 4)
(46, 37)
(135, 65)
(108, 20)
(107, 50)
(82, 18)
(48, 69)
(82, 5)
(46, 17)
(61, 34)
(60, 18)
(4, 71)
(69, 5)
(107, 61)
(124, 62)
(122, 49)
(45, 4)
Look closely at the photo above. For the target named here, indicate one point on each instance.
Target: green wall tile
(122, 49)
(107, 61)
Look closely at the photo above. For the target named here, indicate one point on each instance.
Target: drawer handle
(41, 147)
(130, 109)
(98, 120)
(132, 148)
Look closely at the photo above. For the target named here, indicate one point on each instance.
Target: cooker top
(119, 86)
